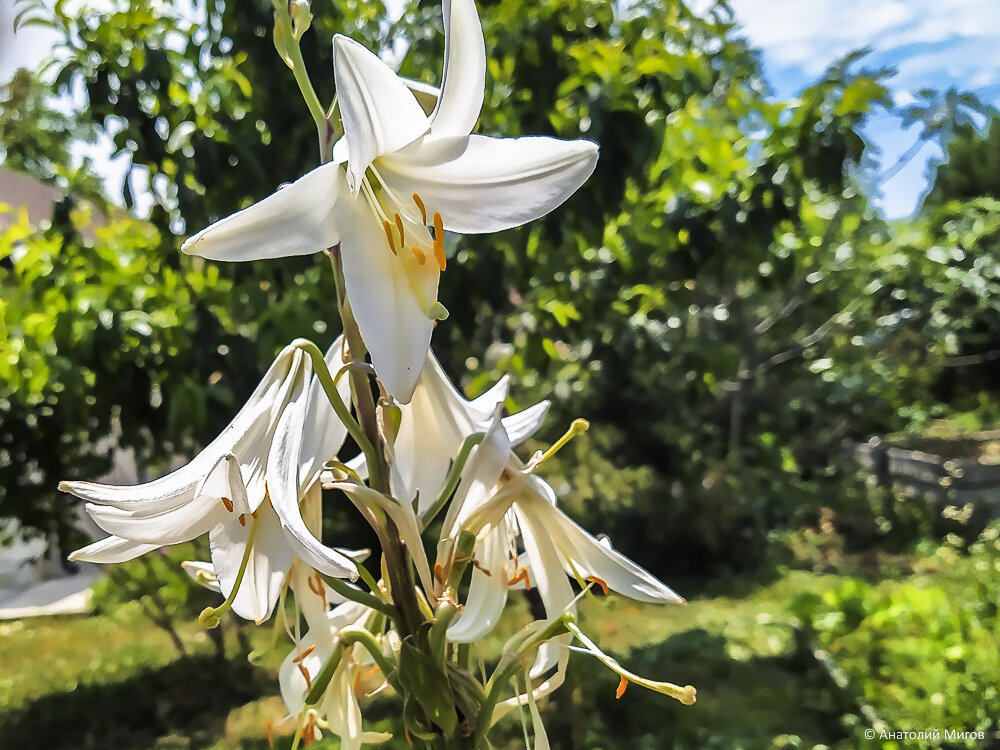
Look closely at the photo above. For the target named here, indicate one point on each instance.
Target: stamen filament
(366, 188)
(392, 196)
(209, 617)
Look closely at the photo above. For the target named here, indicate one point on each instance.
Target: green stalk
(361, 597)
(510, 662)
(454, 476)
(330, 388)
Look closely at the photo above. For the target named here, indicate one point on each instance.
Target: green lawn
(116, 682)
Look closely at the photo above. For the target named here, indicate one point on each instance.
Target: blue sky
(932, 44)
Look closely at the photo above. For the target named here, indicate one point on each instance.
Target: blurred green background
(720, 300)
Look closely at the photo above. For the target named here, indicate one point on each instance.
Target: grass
(116, 682)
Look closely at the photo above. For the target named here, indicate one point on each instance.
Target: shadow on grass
(189, 698)
(758, 702)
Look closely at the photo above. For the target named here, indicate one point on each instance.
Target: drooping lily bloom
(397, 181)
(243, 489)
(523, 539)
(356, 674)
(436, 422)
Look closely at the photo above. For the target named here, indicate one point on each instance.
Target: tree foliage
(720, 298)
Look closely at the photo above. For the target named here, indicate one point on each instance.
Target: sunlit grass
(738, 648)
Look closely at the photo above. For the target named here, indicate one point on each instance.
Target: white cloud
(809, 34)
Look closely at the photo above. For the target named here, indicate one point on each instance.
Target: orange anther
(309, 730)
(439, 572)
(522, 575)
(419, 255)
(228, 503)
(269, 731)
(621, 687)
(423, 209)
(442, 261)
(599, 582)
(242, 519)
(388, 235)
(399, 226)
(485, 571)
(304, 654)
(305, 673)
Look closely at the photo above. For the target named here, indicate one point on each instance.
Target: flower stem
(509, 664)
(454, 475)
(348, 591)
(333, 395)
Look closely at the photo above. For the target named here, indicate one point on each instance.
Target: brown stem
(397, 563)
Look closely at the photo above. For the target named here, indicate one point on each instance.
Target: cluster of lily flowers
(392, 184)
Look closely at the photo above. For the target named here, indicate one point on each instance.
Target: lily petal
(202, 573)
(405, 519)
(296, 220)
(553, 586)
(487, 590)
(425, 94)
(112, 549)
(433, 426)
(586, 556)
(523, 425)
(483, 406)
(463, 82)
(268, 565)
(380, 114)
(172, 526)
(178, 487)
(390, 297)
(480, 184)
(283, 486)
(486, 463)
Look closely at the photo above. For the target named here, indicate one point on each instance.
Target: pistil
(210, 616)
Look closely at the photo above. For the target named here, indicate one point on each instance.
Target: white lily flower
(504, 504)
(437, 421)
(338, 710)
(396, 175)
(243, 489)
